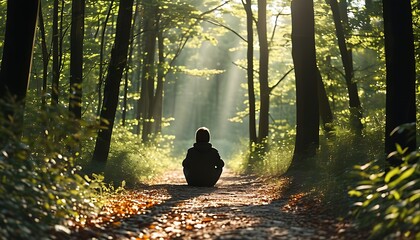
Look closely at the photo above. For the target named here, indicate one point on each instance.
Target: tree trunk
(139, 81)
(128, 68)
(250, 73)
(55, 57)
(324, 107)
(148, 71)
(16, 63)
(263, 72)
(158, 99)
(304, 59)
(76, 58)
(45, 57)
(354, 101)
(101, 58)
(112, 82)
(76, 67)
(400, 73)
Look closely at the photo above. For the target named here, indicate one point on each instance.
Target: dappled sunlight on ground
(238, 207)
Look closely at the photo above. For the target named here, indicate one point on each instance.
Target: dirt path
(238, 207)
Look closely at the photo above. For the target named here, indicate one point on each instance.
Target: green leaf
(354, 193)
(414, 197)
(396, 194)
(390, 174)
(407, 173)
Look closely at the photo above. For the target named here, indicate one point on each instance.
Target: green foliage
(132, 162)
(273, 162)
(40, 186)
(388, 201)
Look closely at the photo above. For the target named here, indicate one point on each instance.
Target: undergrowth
(327, 174)
(132, 161)
(387, 198)
(272, 163)
(383, 200)
(41, 187)
(45, 187)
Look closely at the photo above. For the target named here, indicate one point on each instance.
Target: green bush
(131, 161)
(388, 201)
(274, 162)
(40, 188)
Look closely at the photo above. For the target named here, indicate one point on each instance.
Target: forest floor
(238, 207)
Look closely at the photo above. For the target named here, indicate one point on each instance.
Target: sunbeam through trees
(313, 107)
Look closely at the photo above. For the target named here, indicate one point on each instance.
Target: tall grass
(132, 161)
(328, 173)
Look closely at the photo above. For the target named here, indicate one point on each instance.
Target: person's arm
(219, 162)
(187, 159)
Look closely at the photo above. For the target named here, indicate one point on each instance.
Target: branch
(281, 79)
(226, 27)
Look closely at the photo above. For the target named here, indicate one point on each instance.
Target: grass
(131, 161)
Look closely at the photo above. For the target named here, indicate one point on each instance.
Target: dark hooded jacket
(202, 158)
(203, 165)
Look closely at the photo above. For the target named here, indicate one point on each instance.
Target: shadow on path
(238, 207)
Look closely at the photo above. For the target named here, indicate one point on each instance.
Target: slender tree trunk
(101, 57)
(250, 73)
(112, 82)
(55, 58)
(45, 57)
(125, 95)
(76, 67)
(400, 74)
(346, 56)
(263, 125)
(158, 99)
(129, 67)
(324, 107)
(139, 80)
(76, 58)
(148, 71)
(16, 62)
(304, 59)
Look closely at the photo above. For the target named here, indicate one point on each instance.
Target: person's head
(202, 135)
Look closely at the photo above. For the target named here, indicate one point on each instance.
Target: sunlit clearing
(209, 99)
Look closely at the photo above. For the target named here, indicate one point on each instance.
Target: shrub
(274, 162)
(388, 201)
(131, 161)
(40, 188)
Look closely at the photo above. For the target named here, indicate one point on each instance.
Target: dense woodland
(111, 92)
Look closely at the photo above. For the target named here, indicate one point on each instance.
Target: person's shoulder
(214, 150)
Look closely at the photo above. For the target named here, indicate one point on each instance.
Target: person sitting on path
(202, 165)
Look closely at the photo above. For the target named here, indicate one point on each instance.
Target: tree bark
(76, 58)
(324, 107)
(148, 70)
(55, 57)
(16, 63)
(158, 99)
(101, 58)
(263, 125)
(112, 82)
(346, 57)
(304, 59)
(250, 73)
(45, 57)
(128, 68)
(400, 73)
